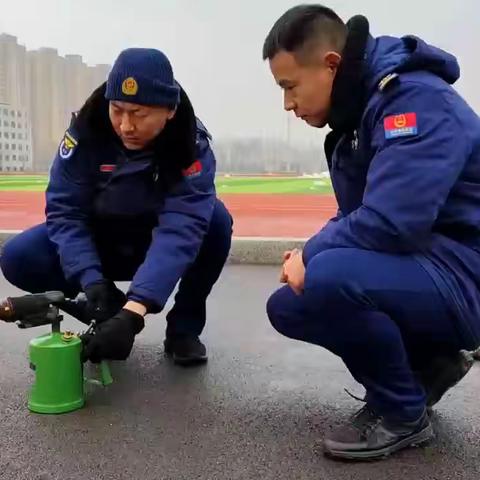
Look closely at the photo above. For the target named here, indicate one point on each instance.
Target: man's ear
(332, 61)
(171, 113)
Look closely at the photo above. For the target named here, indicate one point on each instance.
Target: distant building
(14, 85)
(47, 85)
(47, 88)
(15, 140)
(98, 75)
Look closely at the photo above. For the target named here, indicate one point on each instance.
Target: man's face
(307, 87)
(138, 125)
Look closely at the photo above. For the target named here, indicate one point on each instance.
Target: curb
(245, 250)
(262, 250)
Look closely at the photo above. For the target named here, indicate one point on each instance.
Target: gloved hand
(104, 300)
(112, 339)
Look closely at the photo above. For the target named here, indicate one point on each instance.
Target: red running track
(255, 215)
(274, 215)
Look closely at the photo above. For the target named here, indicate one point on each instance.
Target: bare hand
(286, 256)
(294, 271)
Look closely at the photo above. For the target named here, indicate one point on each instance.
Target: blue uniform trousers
(30, 262)
(381, 313)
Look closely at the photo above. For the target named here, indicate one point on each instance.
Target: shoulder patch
(386, 81)
(401, 125)
(193, 171)
(67, 146)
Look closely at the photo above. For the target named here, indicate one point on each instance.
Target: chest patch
(107, 168)
(401, 125)
(193, 171)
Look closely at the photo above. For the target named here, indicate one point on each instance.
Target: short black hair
(302, 27)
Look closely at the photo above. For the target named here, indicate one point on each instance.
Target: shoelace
(354, 396)
(371, 426)
(374, 419)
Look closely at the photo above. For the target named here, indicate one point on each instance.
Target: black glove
(104, 300)
(112, 339)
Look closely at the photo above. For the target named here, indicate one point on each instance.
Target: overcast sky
(215, 46)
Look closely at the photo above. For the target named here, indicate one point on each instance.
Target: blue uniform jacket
(93, 184)
(408, 182)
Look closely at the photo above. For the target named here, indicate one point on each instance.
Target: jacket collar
(349, 91)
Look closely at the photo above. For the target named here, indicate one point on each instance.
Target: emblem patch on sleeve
(402, 125)
(193, 171)
(67, 146)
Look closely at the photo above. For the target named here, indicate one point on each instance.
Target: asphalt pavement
(257, 410)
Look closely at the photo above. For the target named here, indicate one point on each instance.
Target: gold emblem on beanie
(130, 86)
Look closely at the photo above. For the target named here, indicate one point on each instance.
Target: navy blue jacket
(408, 181)
(93, 183)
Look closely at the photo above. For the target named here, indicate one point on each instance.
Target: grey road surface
(257, 410)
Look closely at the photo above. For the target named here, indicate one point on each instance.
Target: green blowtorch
(55, 357)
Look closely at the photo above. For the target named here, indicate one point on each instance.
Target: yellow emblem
(67, 146)
(130, 86)
(400, 121)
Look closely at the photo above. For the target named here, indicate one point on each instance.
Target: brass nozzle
(6, 311)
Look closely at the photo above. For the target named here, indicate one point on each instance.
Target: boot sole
(186, 361)
(416, 440)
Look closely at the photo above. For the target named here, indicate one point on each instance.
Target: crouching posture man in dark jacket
(131, 197)
(392, 283)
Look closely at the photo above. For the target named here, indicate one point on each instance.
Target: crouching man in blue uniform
(131, 197)
(392, 283)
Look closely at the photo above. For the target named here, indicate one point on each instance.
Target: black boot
(443, 373)
(368, 436)
(185, 350)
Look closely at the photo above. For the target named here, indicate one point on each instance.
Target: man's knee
(280, 312)
(219, 235)
(11, 259)
(26, 255)
(333, 276)
(222, 222)
(327, 274)
(273, 308)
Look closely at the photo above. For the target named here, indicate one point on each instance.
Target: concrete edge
(262, 251)
(245, 250)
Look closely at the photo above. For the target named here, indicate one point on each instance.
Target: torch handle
(105, 375)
